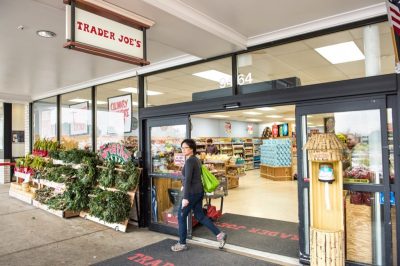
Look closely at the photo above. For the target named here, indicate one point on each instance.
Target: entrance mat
(273, 236)
(160, 254)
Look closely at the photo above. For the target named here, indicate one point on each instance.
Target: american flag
(394, 14)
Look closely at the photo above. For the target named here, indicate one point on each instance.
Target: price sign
(179, 159)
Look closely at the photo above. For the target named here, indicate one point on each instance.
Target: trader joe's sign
(123, 105)
(103, 29)
(115, 152)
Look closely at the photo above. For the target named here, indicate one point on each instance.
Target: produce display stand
(21, 193)
(326, 200)
(233, 172)
(59, 213)
(122, 226)
(276, 173)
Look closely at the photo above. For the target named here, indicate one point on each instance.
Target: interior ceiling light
(253, 120)
(251, 113)
(214, 75)
(219, 116)
(341, 52)
(135, 91)
(266, 109)
(135, 103)
(46, 33)
(79, 100)
(290, 119)
(274, 116)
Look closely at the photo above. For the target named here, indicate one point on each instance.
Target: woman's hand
(185, 203)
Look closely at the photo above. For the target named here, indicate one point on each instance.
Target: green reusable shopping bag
(210, 182)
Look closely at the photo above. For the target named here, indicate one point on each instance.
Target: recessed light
(266, 109)
(290, 118)
(341, 52)
(253, 120)
(219, 116)
(274, 116)
(135, 103)
(251, 113)
(46, 34)
(309, 123)
(135, 91)
(214, 75)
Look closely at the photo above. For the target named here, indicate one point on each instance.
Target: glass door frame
(343, 105)
(148, 175)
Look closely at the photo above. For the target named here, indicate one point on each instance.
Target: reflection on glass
(117, 113)
(361, 132)
(166, 150)
(76, 119)
(394, 236)
(364, 233)
(166, 163)
(45, 119)
(391, 145)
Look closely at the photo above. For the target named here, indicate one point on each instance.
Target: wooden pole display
(325, 152)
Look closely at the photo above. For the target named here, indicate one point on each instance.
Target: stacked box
(276, 152)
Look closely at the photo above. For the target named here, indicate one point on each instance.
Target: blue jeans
(195, 203)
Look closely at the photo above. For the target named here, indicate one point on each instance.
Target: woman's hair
(191, 143)
(209, 140)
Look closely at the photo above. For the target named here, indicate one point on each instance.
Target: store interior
(241, 138)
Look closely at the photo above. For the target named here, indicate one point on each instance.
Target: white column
(27, 133)
(372, 50)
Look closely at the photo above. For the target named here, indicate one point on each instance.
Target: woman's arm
(189, 167)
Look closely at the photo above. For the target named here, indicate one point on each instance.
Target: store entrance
(253, 153)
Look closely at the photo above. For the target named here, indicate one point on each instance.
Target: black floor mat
(266, 235)
(160, 254)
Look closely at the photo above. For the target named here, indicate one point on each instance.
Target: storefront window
(203, 81)
(364, 223)
(318, 60)
(166, 163)
(76, 119)
(391, 145)
(117, 113)
(361, 133)
(45, 119)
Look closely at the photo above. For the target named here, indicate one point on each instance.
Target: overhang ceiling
(186, 30)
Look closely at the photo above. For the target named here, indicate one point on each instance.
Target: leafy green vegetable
(128, 180)
(108, 175)
(111, 207)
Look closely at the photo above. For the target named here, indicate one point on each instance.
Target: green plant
(77, 196)
(108, 175)
(128, 180)
(57, 202)
(111, 207)
(38, 163)
(44, 194)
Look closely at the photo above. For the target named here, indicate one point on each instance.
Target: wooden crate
(59, 213)
(358, 232)
(17, 192)
(276, 173)
(233, 181)
(116, 226)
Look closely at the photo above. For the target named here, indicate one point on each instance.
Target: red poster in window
(275, 131)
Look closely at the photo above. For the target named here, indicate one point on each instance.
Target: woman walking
(193, 198)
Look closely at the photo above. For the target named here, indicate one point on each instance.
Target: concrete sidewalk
(30, 236)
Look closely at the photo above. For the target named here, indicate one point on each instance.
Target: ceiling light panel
(252, 113)
(341, 52)
(266, 109)
(135, 91)
(214, 75)
(274, 116)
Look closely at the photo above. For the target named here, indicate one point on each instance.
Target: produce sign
(123, 105)
(79, 115)
(179, 159)
(115, 152)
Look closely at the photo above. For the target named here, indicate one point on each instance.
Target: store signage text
(115, 152)
(257, 231)
(122, 104)
(148, 260)
(108, 34)
(242, 79)
(100, 29)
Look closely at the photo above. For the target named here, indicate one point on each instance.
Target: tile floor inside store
(260, 197)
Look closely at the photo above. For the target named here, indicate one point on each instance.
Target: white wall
(204, 127)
